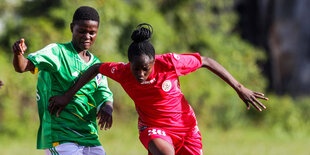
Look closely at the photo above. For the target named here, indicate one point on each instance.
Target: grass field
(123, 139)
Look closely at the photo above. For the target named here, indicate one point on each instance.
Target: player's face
(84, 33)
(141, 67)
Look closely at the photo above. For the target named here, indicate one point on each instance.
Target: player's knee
(160, 147)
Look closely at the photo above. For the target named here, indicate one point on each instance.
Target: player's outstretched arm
(248, 96)
(61, 101)
(20, 63)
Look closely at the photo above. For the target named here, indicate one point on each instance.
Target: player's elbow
(205, 62)
(97, 65)
(18, 69)
(95, 68)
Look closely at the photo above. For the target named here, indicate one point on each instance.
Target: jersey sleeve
(47, 58)
(113, 70)
(186, 63)
(103, 93)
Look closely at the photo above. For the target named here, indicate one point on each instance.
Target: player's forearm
(88, 75)
(20, 63)
(219, 70)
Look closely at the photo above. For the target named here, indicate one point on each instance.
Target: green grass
(254, 142)
(16, 146)
(123, 139)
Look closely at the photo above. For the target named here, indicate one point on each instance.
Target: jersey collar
(152, 78)
(80, 59)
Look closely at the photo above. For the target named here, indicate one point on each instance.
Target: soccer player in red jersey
(167, 123)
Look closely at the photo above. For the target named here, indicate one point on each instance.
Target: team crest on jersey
(166, 86)
(98, 79)
(176, 56)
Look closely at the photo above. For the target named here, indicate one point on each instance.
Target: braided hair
(141, 44)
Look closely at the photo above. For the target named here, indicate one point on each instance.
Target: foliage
(204, 26)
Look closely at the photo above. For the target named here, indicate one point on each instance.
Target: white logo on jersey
(98, 79)
(75, 74)
(176, 56)
(166, 86)
(113, 70)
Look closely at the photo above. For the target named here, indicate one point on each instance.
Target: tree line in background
(204, 26)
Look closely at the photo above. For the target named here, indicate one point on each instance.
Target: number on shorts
(156, 132)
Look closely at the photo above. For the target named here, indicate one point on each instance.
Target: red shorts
(185, 143)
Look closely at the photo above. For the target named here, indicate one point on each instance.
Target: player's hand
(57, 103)
(105, 116)
(19, 47)
(1, 83)
(250, 97)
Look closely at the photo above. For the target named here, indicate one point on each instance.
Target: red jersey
(159, 100)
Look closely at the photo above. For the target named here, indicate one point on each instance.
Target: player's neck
(84, 55)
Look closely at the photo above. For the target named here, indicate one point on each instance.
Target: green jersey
(60, 67)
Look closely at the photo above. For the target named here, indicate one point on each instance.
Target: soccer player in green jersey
(74, 131)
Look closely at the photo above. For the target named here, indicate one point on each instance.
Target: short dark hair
(141, 42)
(85, 13)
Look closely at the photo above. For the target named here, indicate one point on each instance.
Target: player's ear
(153, 61)
(71, 27)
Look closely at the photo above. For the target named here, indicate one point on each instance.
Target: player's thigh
(96, 150)
(159, 146)
(65, 149)
(153, 139)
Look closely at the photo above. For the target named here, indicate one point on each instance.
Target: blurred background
(264, 44)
